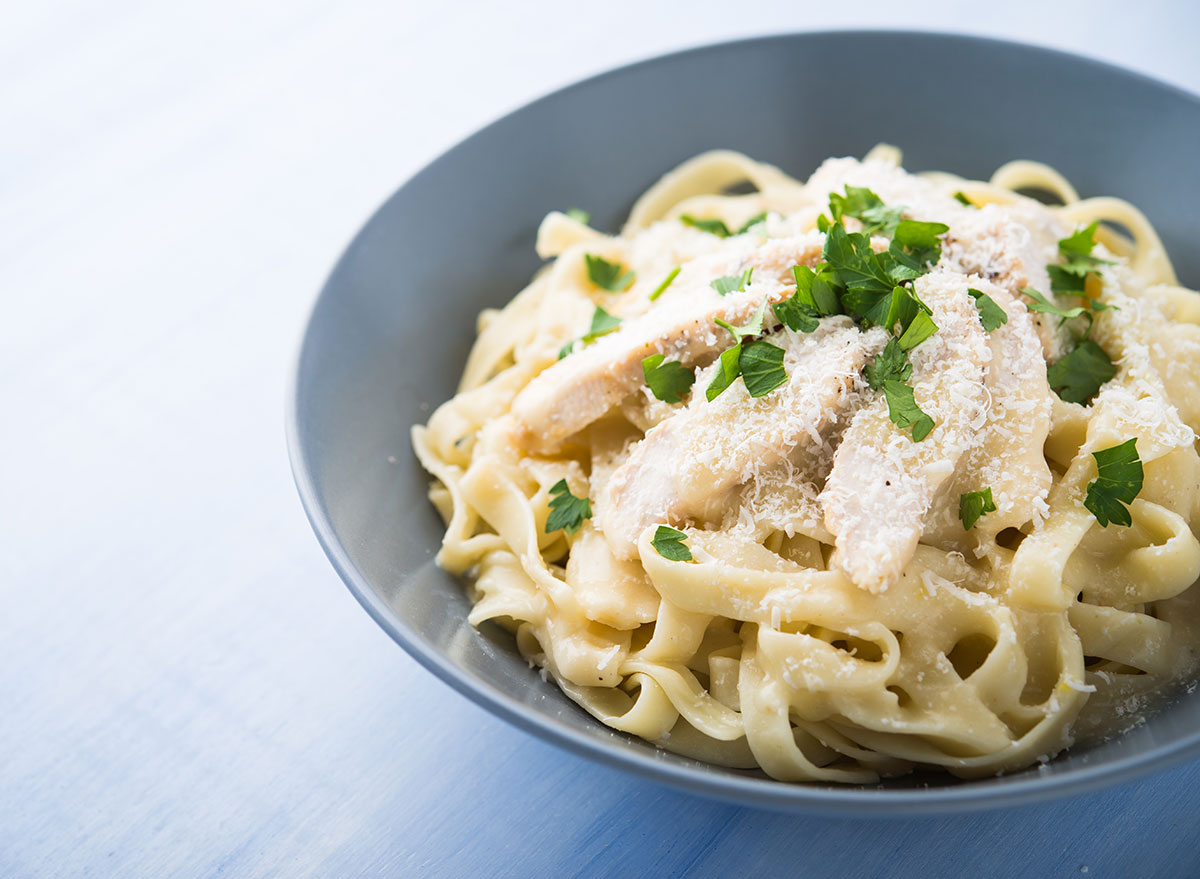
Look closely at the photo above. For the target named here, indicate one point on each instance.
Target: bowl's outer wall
(391, 330)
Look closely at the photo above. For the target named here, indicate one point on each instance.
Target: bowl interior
(392, 327)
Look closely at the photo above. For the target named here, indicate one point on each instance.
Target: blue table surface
(187, 688)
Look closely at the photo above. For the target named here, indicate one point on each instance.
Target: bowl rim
(850, 800)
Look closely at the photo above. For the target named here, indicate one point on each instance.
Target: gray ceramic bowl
(391, 329)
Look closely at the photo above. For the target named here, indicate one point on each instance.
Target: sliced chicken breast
(687, 467)
(571, 394)
(1008, 457)
(883, 482)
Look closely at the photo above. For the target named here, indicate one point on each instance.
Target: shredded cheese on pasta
(835, 621)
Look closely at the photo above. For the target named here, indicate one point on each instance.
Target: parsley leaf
(1118, 480)
(917, 244)
(904, 411)
(751, 223)
(974, 504)
(1042, 305)
(668, 381)
(728, 368)
(1077, 377)
(890, 364)
(919, 329)
(603, 323)
(866, 207)
(796, 315)
(991, 315)
(669, 544)
(1076, 249)
(817, 290)
(870, 277)
(1064, 280)
(858, 268)
(752, 327)
(714, 227)
(961, 198)
(661, 288)
(611, 276)
(729, 283)
(762, 368)
(579, 216)
(902, 308)
(1079, 244)
(567, 512)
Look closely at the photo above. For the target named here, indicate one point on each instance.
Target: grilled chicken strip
(688, 466)
(883, 482)
(571, 394)
(1008, 457)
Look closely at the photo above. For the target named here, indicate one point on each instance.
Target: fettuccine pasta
(842, 478)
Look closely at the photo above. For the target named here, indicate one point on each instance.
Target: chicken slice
(575, 391)
(690, 466)
(1009, 457)
(1011, 245)
(882, 481)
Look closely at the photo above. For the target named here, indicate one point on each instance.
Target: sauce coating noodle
(835, 621)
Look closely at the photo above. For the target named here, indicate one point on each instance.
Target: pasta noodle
(820, 604)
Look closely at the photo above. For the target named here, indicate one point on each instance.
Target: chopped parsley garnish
(567, 512)
(901, 308)
(579, 216)
(796, 315)
(920, 328)
(728, 368)
(961, 198)
(1077, 377)
(762, 368)
(863, 272)
(991, 315)
(1076, 249)
(875, 289)
(901, 313)
(603, 323)
(916, 245)
(759, 363)
(974, 504)
(669, 544)
(668, 380)
(890, 364)
(866, 207)
(607, 275)
(714, 227)
(1118, 480)
(871, 277)
(904, 411)
(661, 288)
(731, 283)
(817, 290)
(752, 327)
(1042, 305)
(751, 223)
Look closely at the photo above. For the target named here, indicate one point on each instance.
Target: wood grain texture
(187, 688)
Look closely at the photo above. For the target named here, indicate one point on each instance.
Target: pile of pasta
(996, 648)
